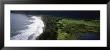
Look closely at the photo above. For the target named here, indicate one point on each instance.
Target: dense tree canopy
(64, 28)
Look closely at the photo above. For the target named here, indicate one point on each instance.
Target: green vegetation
(73, 29)
(63, 28)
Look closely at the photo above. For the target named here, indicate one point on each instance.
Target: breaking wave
(33, 30)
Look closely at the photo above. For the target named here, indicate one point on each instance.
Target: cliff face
(64, 25)
(64, 28)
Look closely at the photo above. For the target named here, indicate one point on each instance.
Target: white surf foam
(34, 30)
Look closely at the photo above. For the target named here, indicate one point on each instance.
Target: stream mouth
(30, 28)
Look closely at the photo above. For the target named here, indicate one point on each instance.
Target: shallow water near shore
(25, 28)
(29, 27)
